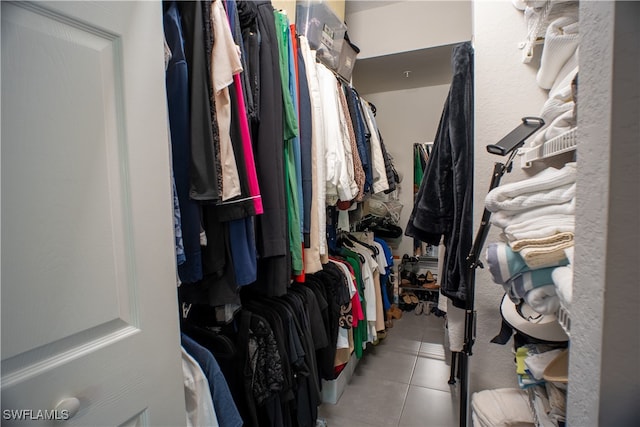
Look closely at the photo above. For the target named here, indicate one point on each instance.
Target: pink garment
(249, 161)
(356, 305)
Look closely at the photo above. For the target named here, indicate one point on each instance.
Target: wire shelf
(558, 145)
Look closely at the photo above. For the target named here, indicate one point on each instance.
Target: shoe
(426, 310)
(419, 308)
(414, 299)
(433, 285)
(408, 278)
(396, 313)
(429, 277)
(406, 298)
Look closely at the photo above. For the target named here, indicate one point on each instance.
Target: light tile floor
(401, 382)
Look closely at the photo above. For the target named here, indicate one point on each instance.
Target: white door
(89, 307)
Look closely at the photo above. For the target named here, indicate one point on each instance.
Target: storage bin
(347, 59)
(324, 30)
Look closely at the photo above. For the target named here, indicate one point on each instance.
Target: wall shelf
(558, 145)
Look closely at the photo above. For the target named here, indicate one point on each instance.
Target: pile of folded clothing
(537, 217)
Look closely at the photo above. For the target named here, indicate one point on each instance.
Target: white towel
(552, 196)
(560, 43)
(504, 196)
(538, 228)
(561, 124)
(563, 280)
(543, 299)
(503, 219)
(536, 363)
(455, 327)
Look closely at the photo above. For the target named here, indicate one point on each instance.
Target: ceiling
(427, 67)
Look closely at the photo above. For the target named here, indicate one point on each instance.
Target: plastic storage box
(324, 30)
(347, 58)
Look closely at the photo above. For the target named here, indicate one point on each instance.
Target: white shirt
(339, 186)
(197, 395)
(317, 142)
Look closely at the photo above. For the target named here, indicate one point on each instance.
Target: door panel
(88, 268)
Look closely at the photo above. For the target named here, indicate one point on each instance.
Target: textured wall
(405, 117)
(605, 337)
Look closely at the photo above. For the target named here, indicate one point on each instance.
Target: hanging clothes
(272, 232)
(358, 171)
(177, 83)
(380, 181)
(205, 168)
(306, 155)
(360, 129)
(200, 410)
(291, 141)
(444, 202)
(318, 240)
(223, 404)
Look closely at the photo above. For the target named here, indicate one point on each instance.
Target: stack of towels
(558, 70)
(537, 217)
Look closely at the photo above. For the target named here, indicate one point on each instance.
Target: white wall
(405, 117)
(408, 25)
(604, 377)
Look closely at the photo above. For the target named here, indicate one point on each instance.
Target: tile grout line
(413, 369)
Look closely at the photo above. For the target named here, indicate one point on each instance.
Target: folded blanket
(506, 407)
(503, 219)
(505, 266)
(505, 197)
(522, 284)
(543, 300)
(560, 43)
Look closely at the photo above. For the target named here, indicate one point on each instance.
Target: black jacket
(444, 204)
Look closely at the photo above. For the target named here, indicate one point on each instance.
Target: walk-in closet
(320, 213)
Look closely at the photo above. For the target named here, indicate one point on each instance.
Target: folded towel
(503, 219)
(552, 196)
(543, 300)
(505, 266)
(540, 228)
(519, 286)
(543, 242)
(563, 279)
(536, 363)
(560, 43)
(502, 197)
(544, 255)
(506, 407)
